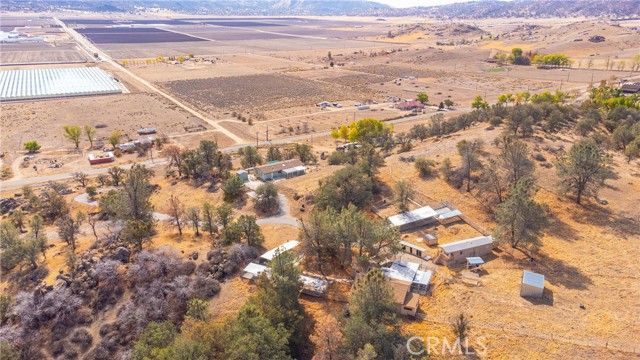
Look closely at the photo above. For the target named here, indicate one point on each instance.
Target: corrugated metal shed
(533, 279)
(409, 217)
(466, 244)
(56, 82)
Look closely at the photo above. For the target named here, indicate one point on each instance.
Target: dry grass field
(276, 74)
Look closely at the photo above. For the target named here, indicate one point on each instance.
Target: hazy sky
(410, 3)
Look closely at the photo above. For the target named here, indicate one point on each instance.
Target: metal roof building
(414, 218)
(269, 255)
(532, 284)
(459, 251)
(58, 82)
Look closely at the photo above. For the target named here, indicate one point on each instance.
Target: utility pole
(256, 139)
(267, 132)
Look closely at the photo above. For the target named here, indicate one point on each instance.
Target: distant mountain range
(467, 10)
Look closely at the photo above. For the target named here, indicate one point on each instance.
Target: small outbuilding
(252, 271)
(102, 158)
(459, 251)
(412, 248)
(413, 219)
(280, 169)
(474, 263)
(532, 285)
(243, 174)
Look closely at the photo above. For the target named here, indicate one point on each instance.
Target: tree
(194, 219)
(250, 157)
(460, 327)
(315, 234)
(32, 147)
(90, 132)
(419, 131)
(267, 200)
(176, 211)
(327, 339)
(514, 158)
(404, 192)
(493, 180)
(277, 297)
(372, 312)
(224, 214)
(479, 103)
(175, 159)
(422, 97)
(114, 138)
(424, 166)
(11, 246)
(208, 219)
(18, 219)
(69, 228)
(448, 103)
(81, 178)
(584, 170)
(103, 179)
(622, 136)
(274, 154)
(157, 336)
(250, 230)
(232, 188)
(304, 152)
(73, 133)
(469, 151)
(93, 221)
(198, 309)
(251, 336)
(554, 121)
(368, 352)
(520, 219)
(446, 169)
(349, 185)
(117, 175)
(372, 298)
(633, 150)
(132, 205)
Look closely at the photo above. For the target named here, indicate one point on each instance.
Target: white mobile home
(459, 251)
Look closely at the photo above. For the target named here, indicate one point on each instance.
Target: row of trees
(558, 60)
(251, 156)
(215, 220)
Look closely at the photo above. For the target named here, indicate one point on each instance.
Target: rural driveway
(282, 217)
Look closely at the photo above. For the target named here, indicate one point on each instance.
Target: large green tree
(520, 219)
(584, 170)
(349, 185)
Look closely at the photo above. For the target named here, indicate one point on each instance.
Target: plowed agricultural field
(257, 92)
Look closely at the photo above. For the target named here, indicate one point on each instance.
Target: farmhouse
(532, 285)
(281, 169)
(101, 159)
(459, 251)
(413, 219)
(410, 105)
(407, 281)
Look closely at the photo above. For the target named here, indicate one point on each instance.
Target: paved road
(19, 183)
(90, 49)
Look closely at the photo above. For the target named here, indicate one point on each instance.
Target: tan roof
(400, 290)
(411, 300)
(279, 166)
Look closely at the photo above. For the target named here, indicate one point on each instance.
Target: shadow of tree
(558, 272)
(620, 225)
